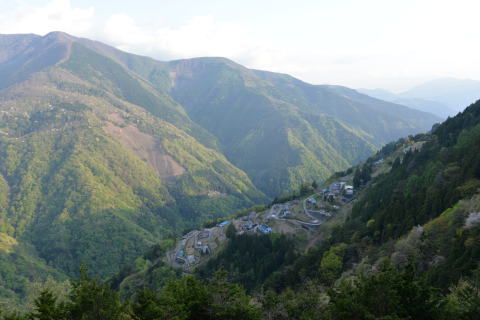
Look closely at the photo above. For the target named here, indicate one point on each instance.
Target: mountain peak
(59, 36)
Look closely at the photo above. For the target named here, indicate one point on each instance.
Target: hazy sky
(392, 44)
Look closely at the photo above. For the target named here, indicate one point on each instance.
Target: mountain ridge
(97, 147)
(444, 96)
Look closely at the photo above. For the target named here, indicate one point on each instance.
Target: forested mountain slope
(279, 130)
(104, 153)
(282, 131)
(408, 248)
(95, 166)
(422, 212)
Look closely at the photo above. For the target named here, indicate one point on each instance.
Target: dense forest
(386, 294)
(106, 157)
(422, 264)
(423, 211)
(410, 248)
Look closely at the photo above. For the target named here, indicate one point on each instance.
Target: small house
(224, 223)
(180, 253)
(190, 234)
(191, 259)
(248, 226)
(264, 229)
(204, 249)
(179, 260)
(204, 234)
(349, 191)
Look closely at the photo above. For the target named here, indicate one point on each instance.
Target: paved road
(314, 221)
(308, 212)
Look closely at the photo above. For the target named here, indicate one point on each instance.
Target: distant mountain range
(103, 152)
(442, 97)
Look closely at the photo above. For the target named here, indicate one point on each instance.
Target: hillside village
(299, 216)
(306, 217)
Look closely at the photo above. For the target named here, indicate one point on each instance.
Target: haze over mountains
(443, 97)
(98, 146)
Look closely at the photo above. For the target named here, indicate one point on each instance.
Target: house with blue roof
(224, 223)
(265, 229)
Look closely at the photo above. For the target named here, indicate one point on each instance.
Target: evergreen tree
(231, 231)
(92, 300)
(357, 179)
(463, 302)
(46, 308)
(229, 301)
(146, 305)
(388, 294)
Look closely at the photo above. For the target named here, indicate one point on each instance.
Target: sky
(390, 44)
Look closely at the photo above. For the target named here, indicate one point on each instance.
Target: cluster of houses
(339, 190)
(264, 229)
(198, 243)
(248, 224)
(184, 255)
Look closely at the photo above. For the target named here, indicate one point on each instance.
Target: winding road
(314, 222)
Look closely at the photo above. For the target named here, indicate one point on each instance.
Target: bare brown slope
(143, 145)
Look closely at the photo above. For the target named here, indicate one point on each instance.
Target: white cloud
(201, 36)
(122, 31)
(57, 15)
(359, 44)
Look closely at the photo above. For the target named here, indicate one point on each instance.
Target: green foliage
(189, 298)
(362, 176)
(309, 302)
(388, 294)
(387, 218)
(331, 264)
(282, 131)
(90, 299)
(422, 185)
(47, 308)
(231, 231)
(251, 259)
(21, 272)
(463, 301)
(70, 192)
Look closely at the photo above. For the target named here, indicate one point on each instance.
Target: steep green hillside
(382, 121)
(88, 176)
(106, 74)
(103, 153)
(61, 162)
(421, 262)
(282, 131)
(408, 248)
(422, 212)
(279, 130)
(257, 119)
(260, 118)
